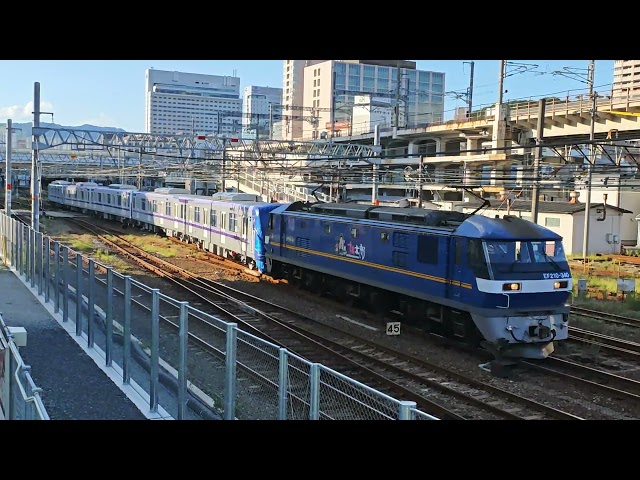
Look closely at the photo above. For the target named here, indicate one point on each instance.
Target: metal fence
(147, 338)
(19, 397)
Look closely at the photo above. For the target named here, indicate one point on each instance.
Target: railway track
(612, 384)
(618, 346)
(430, 386)
(605, 317)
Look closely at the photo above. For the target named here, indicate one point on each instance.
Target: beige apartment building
(626, 77)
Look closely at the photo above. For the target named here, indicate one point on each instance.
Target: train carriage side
(84, 196)
(141, 209)
(56, 191)
(377, 257)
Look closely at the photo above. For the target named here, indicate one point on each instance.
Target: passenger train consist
(499, 282)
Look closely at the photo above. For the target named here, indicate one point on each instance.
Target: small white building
(567, 220)
(616, 190)
(369, 111)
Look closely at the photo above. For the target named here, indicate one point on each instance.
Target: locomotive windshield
(525, 256)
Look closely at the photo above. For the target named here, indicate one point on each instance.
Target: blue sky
(111, 92)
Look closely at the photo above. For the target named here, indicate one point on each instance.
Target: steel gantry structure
(74, 148)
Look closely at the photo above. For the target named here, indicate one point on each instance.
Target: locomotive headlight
(510, 286)
(562, 284)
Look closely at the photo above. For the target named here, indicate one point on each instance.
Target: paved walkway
(75, 384)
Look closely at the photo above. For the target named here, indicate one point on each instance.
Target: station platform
(75, 383)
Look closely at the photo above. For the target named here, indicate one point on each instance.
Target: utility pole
(35, 180)
(470, 90)
(224, 161)
(499, 125)
(374, 184)
(536, 162)
(591, 70)
(271, 121)
(503, 65)
(397, 107)
(420, 181)
(587, 203)
(140, 169)
(333, 104)
(7, 191)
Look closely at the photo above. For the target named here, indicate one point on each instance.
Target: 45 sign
(393, 328)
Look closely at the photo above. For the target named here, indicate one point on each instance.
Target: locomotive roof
(506, 228)
(405, 215)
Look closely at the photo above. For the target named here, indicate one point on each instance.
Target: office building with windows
(418, 95)
(184, 103)
(259, 109)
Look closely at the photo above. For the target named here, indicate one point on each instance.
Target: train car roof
(121, 186)
(506, 228)
(402, 215)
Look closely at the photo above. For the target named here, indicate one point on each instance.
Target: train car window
(354, 232)
(143, 204)
(214, 218)
(476, 258)
(233, 223)
(167, 209)
(205, 219)
(327, 228)
(400, 239)
(196, 214)
(384, 236)
(399, 259)
(99, 197)
(271, 221)
(223, 220)
(119, 200)
(245, 224)
(154, 206)
(428, 249)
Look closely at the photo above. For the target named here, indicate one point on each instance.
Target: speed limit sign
(393, 328)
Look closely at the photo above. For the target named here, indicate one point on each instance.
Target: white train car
(113, 201)
(228, 224)
(57, 190)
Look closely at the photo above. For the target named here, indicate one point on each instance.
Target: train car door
(243, 232)
(457, 264)
(190, 218)
(205, 223)
(223, 227)
(160, 217)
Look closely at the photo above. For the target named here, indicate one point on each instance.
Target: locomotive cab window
(477, 259)
(384, 236)
(271, 220)
(428, 249)
(327, 228)
(354, 232)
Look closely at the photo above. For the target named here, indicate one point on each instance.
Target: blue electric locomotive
(501, 282)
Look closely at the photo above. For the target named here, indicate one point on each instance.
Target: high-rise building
(626, 77)
(417, 95)
(183, 103)
(292, 97)
(259, 108)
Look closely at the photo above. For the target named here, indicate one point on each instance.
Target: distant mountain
(83, 127)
